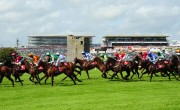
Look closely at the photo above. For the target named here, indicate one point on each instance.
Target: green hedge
(5, 53)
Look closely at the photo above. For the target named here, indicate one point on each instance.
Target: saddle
(93, 63)
(125, 63)
(58, 69)
(22, 67)
(40, 68)
(166, 62)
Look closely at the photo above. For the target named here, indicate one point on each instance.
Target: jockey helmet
(57, 53)
(48, 53)
(30, 55)
(82, 52)
(14, 53)
(149, 53)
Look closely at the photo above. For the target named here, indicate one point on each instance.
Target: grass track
(94, 94)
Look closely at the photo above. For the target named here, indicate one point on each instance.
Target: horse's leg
(45, 75)
(128, 74)
(165, 72)
(9, 77)
(178, 71)
(64, 78)
(87, 74)
(143, 74)
(151, 76)
(78, 72)
(104, 74)
(72, 79)
(31, 78)
(80, 69)
(1, 78)
(171, 72)
(114, 74)
(17, 77)
(133, 73)
(36, 79)
(76, 77)
(52, 79)
(137, 72)
(121, 75)
(46, 79)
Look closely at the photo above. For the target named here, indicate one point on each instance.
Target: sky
(21, 18)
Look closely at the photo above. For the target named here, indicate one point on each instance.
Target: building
(45, 40)
(135, 40)
(175, 43)
(76, 44)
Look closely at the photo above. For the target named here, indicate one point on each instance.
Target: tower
(77, 44)
(17, 42)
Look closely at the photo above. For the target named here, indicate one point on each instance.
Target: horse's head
(174, 60)
(137, 59)
(80, 61)
(97, 59)
(110, 61)
(143, 63)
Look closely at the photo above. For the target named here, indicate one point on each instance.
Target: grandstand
(46, 40)
(134, 40)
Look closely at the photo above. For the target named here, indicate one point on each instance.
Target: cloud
(21, 18)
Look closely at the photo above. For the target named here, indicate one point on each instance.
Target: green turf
(92, 94)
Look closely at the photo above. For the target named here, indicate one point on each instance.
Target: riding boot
(57, 70)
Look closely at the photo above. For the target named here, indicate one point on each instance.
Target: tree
(5, 53)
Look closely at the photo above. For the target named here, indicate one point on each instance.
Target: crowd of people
(125, 54)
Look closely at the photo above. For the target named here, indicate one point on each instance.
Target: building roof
(82, 35)
(135, 36)
(60, 35)
(47, 36)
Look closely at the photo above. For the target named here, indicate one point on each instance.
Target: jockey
(160, 55)
(34, 58)
(144, 56)
(129, 55)
(17, 59)
(119, 56)
(61, 58)
(87, 56)
(103, 57)
(152, 57)
(167, 55)
(52, 57)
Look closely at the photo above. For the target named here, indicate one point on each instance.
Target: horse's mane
(98, 59)
(174, 59)
(78, 60)
(7, 63)
(27, 63)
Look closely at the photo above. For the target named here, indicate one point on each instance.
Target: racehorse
(101, 66)
(19, 70)
(158, 67)
(67, 69)
(85, 65)
(135, 64)
(162, 66)
(34, 73)
(120, 66)
(6, 71)
(7, 68)
(174, 65)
